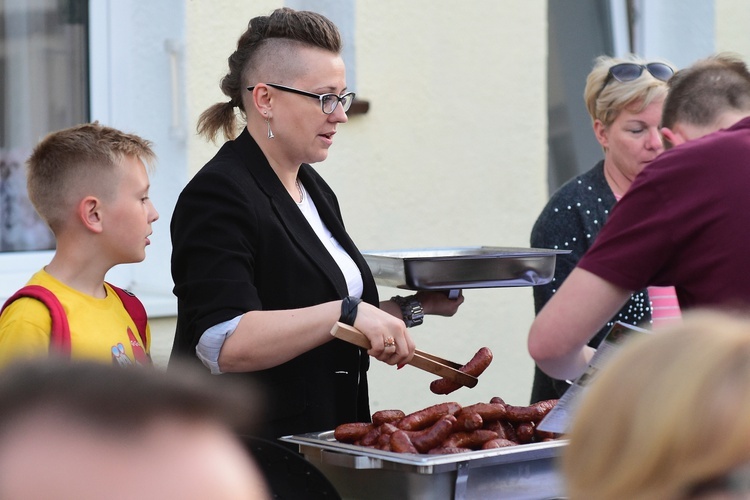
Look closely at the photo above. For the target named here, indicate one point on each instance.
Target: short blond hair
(73, 159)
(667, 414)
(605, 103)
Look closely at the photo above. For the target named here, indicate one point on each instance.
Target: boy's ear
(89, 211)
(671, 138)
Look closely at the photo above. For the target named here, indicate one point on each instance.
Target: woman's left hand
(438, 303)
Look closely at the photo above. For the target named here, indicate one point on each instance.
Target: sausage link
(400, 443)
(473, 439)
(498, 443)
(503, 428)
(371, 438)
(531, 413)
(525, 432)
(475, 367)
(544, 435)
(468, 421)
(349, 433)
(384, 442)
(388, 429)
(433, 436)
(488, 411)
(426, 417)
(386, 416)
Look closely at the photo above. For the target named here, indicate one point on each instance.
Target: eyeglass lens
(627, 72)
(330, 101)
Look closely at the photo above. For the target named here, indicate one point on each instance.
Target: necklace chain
(301, 192)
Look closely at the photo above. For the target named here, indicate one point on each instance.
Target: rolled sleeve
(210, 344)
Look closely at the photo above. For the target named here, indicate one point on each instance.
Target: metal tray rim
(490, 252)
(522, 452)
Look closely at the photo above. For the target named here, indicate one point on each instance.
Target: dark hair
(302, 27)
(105, 396)
(711, 86)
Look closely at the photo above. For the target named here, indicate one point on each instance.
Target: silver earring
(270, 132)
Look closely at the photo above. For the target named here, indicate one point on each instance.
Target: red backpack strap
(135, 309)
(60, 331)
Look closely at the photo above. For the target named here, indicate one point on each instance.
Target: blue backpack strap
(135, 309)
(60, 330)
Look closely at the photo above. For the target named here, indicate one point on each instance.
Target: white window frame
(123, 87)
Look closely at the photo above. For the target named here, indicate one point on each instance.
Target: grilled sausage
(384, 442)
(468, 421)
(531, 413)
(427, 416)
(488, 411)
(386, 416)
(498, 443)
(431, 437)
(525, 432)
(371, 438)
(504, 429)
(401, 443)
(473, 439)
(544, 435)
(349, 433)
(475, 367)
(388, 429)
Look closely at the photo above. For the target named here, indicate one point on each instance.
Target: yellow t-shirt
(98, 327)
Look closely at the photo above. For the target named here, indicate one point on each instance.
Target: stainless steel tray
(517, 472)
(462, 267)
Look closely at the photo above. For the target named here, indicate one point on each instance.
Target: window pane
(43, 87)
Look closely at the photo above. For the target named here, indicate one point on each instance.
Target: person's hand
(438, 303)
(390, 341)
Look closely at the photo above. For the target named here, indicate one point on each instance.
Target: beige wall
(732, 20)
(452, 153)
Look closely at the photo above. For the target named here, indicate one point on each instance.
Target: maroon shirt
(685, 222)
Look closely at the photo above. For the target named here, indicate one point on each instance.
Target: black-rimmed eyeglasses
(328, 102)
(627, 72)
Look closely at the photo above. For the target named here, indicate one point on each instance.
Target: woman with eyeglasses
(624, 97)
(262, 264)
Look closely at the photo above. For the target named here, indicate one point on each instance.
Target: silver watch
(411, 310)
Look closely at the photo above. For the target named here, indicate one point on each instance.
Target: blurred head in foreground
(90, 431)
(668, 418)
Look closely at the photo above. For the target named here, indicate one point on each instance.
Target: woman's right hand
(382, 329)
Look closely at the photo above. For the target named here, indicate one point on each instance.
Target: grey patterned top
(571, 220)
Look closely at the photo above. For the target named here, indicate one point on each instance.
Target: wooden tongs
(422, 360)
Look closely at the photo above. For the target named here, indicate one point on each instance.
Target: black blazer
(240, 243)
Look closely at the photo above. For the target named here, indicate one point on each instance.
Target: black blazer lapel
(291, 217)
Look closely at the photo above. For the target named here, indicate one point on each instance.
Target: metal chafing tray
(518, 472)
(462, 267)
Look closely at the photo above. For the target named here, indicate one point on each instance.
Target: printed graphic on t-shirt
(119, 358)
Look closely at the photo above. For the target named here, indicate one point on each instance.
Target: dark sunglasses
(627, 72)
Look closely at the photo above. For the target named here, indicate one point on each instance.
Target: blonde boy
(89, 183)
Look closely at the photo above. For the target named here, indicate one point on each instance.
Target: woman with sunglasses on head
(624, 98)
(262, 264)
